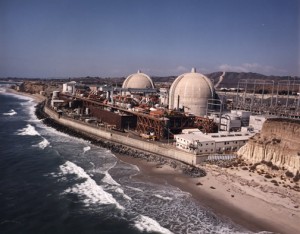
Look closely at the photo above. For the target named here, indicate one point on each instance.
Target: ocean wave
(146, 224)
(89, 189)
(163, 198)
(61, 137)
(121, 191)
(135, 189)
(11, 112)
(109, 180)
(86, 148)
(43, 144)
(29, 130)
(16, 95)
(116, 186)
(31, 111)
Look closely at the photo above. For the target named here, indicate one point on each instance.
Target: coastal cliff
(278, 142)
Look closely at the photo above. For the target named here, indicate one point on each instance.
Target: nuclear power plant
(188, 113)
(191, 92)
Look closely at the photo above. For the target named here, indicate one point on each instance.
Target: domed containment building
(138, 80)
(191, 91)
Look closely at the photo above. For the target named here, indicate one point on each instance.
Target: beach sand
(229, 196)
(36, 97)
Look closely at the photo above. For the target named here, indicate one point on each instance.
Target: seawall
(154, 148)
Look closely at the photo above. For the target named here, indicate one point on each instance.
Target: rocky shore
(118, 148)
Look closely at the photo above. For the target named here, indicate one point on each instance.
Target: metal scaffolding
(280, 98)
(147, 124)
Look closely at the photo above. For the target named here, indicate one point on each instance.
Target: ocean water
(54, 183)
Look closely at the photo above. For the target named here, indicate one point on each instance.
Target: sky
(113, 38)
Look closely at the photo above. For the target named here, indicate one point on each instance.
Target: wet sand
(226, 202)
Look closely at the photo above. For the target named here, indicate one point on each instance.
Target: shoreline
(208, 198)
(226, 198)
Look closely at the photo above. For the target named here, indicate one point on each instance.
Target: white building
(191, 92)
(57, 103)
(163, 96)
(69, 87)
(138, 80)
(244, 115)
(256, 122)
(200, 143)
(229, 122)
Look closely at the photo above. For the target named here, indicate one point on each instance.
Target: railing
(221, 157)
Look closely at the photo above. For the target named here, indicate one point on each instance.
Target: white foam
(85, 149)
(121, 191)
(92, 192)
(135, 189)
(109, 180)
(10, 113)
(31, 111)
(19, 96)
(163, 198)
(28, 130)
(43, 144)
(61, 136)
(146, 224)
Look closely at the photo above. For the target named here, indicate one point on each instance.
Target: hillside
(231, 79)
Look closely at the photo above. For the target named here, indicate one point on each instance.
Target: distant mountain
(231, 79)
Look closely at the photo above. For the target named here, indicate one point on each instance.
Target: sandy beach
(256, 207)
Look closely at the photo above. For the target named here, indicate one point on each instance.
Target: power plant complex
(189, 114)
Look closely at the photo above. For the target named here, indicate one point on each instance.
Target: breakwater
(117, 144)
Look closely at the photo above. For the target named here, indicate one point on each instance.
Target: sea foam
(115, 185)
(29, 130)
(146, 224)
(135, 189)
(43, 144)
(11, 112)
(85, 149)
(163, 198)
(89, 189)
(109, 180)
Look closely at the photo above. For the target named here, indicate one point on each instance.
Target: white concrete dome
(191, 91)
(138, 80)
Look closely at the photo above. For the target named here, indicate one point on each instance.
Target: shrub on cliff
(297, 177)
(289, 174)
(274, 167)
(268, 176)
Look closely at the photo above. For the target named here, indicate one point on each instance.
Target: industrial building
(199, 143)
(140, 107)
(189, 114)
(69, 87)
(190, 92)
(138, 80)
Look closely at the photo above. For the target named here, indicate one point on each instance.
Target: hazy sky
(67, 38)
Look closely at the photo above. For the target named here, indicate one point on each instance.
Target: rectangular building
(211, 143)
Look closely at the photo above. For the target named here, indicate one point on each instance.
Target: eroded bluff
(278, 142)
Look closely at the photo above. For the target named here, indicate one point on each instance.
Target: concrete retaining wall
(115, 137)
